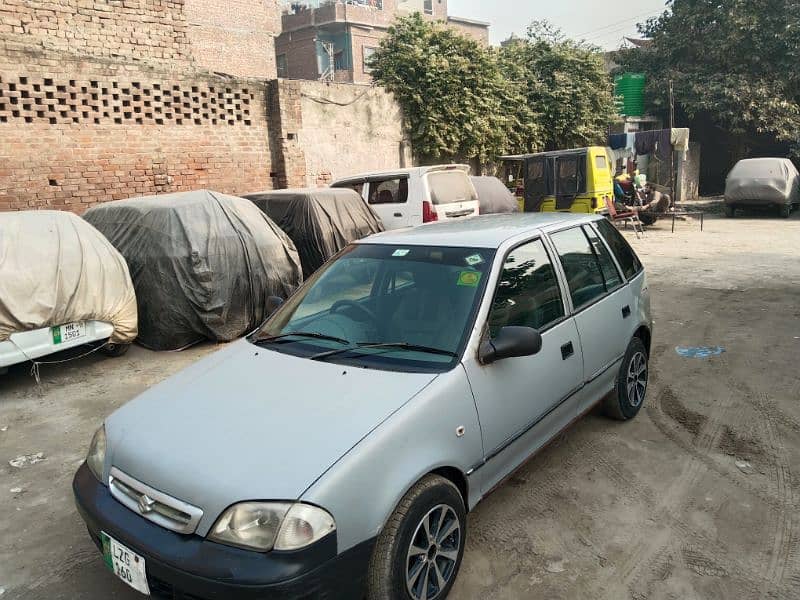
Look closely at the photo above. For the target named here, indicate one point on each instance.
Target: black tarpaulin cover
(493, 196)
(320, 222)
(203, 264)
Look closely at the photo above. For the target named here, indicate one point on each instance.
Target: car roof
(486, 231)
(407, 171)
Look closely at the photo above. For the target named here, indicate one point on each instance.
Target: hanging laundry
(617, 140)
(646, 141)
(664, 148)
(679, 138)
(630, 141)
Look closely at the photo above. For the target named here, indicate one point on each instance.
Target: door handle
(626, 312)
(398, 214)
(567, 350)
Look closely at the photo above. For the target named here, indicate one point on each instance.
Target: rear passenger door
(389, 199)
(601, 303)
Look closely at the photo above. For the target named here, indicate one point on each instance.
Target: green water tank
(629, 89)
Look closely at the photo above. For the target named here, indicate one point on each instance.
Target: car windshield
(400, 308)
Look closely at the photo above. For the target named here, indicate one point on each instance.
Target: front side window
(584, 276)
(619, 246)
(527, 294)
(389, 191)
(403, 308)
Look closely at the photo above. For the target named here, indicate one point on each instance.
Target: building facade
(333, 39)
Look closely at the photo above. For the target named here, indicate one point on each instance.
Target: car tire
(730, 211)
(115, 350)
(400, 564)
(786, 211)
(629, 392)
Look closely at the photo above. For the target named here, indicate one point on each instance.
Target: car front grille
(156, 506)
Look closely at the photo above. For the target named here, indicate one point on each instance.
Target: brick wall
(330, 131)
(234, 36)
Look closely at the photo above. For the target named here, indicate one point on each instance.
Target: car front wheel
(419, 551)
(628, 396)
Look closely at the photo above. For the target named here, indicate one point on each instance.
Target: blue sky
(601, 22)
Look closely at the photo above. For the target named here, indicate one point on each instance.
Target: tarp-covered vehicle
(62, 285)
(203, 264)
(762, 183)
(493, 196)
(320, 221)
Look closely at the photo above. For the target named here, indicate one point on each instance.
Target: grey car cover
(320, 221)
(203, 264)
(493, 196)
(755, 181)
(55, 269)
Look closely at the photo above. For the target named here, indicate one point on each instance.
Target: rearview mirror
(273, 304)
(511, 342)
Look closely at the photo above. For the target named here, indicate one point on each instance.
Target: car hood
(248, 423)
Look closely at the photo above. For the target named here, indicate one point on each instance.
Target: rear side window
(448, 187)
(607, 267)
(625, 255)
(388, 191)
(584, 277)
(528, 294)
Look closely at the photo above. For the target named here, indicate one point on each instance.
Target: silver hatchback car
(336, 451)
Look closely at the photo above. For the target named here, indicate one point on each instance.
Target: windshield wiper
(304, 334)
(389, 345)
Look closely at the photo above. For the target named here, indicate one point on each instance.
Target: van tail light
(594, 203)
(428, 213)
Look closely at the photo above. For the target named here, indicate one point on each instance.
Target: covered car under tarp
(763, 182)
(493, 196)
(203, 264)
(55, 268)
(320, 221)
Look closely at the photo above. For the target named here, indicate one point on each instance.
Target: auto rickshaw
(577, 180)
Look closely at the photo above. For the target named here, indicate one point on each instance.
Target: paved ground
(696, 498)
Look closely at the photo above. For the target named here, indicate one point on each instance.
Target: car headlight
(96, 457)
(264, 526)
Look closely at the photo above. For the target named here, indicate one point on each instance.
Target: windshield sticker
(469, 278)
(401, 252)
(473, 260)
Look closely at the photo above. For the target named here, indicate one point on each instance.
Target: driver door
(523, 402)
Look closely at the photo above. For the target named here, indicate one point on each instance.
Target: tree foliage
(464, 100)
(565, 82)
(455, 98)
(732, 61)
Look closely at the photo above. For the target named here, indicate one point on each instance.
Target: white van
(410, 197)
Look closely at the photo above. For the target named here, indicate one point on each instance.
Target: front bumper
(182, 567)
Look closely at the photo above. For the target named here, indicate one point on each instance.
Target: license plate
(66, 333)
(125, 563)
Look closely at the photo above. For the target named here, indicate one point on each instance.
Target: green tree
(732, 62)
(456, 99)
(565, 82)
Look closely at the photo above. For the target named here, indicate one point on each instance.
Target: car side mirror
(511, 342)
(273, 304)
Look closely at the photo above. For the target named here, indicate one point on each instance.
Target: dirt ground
(698, 497)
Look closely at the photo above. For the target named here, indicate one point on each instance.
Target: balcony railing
(296, 6)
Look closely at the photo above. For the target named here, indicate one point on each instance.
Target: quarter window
(584, 277)
(388, 191)
(619, 246)
(528, 294)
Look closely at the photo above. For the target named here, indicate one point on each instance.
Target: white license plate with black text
(67, 333)
(125, 563)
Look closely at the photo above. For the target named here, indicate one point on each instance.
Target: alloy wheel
(433, 554)
(637, 379)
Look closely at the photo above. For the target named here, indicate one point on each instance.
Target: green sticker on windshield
(469, 278)
(401, 252)
(473, 260)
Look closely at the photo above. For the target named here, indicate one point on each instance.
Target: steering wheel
(353, 304)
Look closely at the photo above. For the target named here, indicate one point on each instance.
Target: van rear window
(448, 187)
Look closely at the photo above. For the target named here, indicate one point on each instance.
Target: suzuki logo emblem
(146, 504)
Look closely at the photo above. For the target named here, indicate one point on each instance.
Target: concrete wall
(329, 131)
